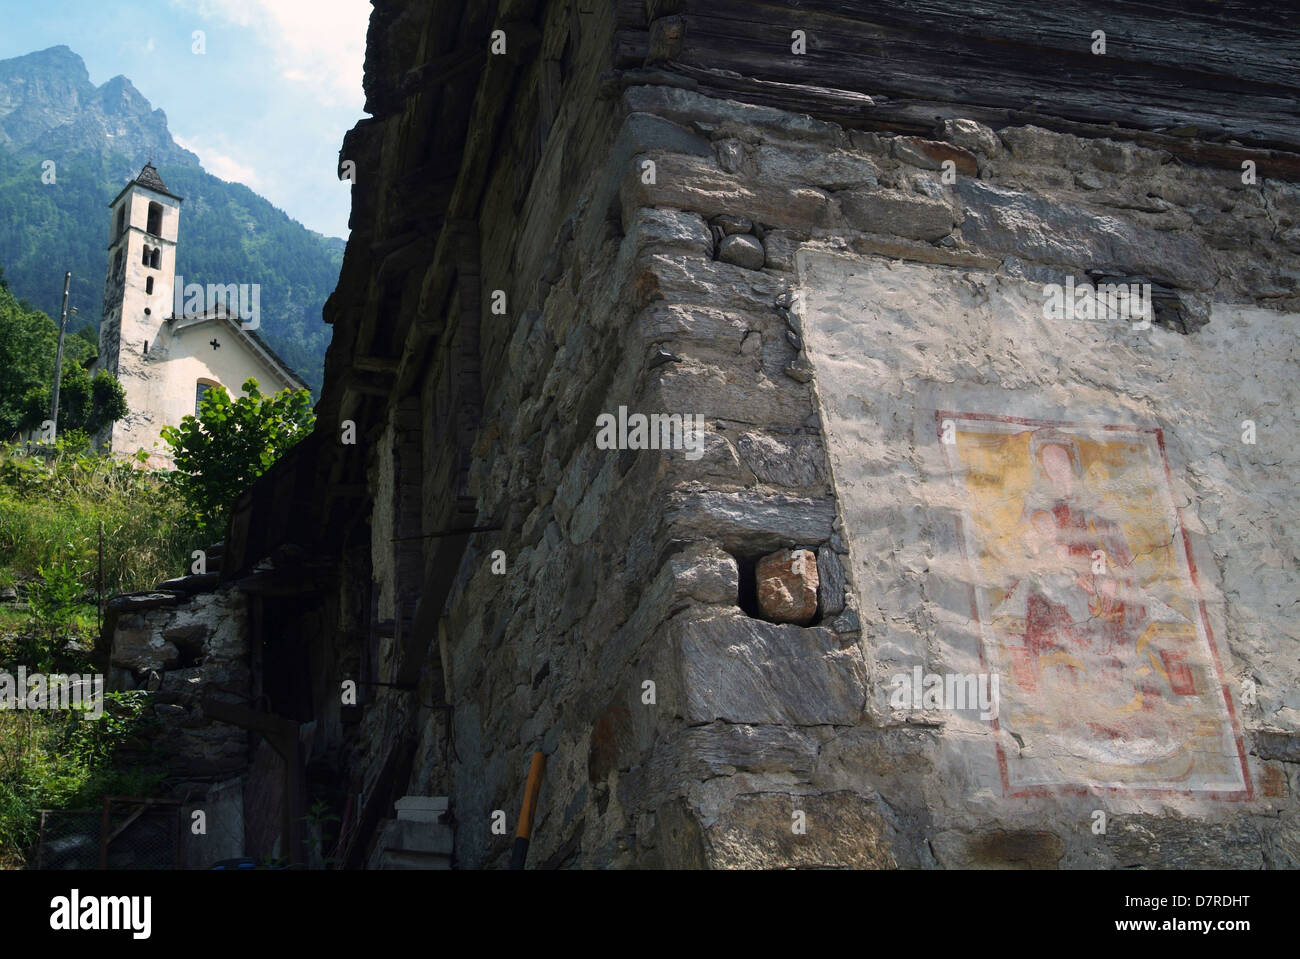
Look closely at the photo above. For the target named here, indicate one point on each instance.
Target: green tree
(27, 344)
(230, 443)
(87, 403)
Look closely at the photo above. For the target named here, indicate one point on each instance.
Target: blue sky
(267, 104)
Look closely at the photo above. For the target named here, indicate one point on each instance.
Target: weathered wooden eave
(1207, 81)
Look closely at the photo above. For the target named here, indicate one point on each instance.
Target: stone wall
(185, 642)
(592, 222)
(628, 563)
(182, 646)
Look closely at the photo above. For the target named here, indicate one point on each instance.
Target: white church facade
(165, 358)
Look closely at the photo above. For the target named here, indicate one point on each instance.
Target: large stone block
(744, 521)
(646, 131)
(1278, 744)
(141, 647)
(720, 117)
(744, 670)
(999, 849)
(705, 573)
(189, 636)
(723, 749)
(973, 136)
(1175, 843)
(828, 169)
(695, 183)
(894, 212)
(181, 686)
(743, 251)
(791, 461)
(1047, 231)
(666, 230)
(707, 384)
(840, 830)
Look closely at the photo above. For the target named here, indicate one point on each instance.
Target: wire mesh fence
(124, 834)
(69, 839)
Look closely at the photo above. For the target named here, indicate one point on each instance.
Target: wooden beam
(375, 364)
(1193, 64)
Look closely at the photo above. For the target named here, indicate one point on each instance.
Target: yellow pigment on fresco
(1090, 612)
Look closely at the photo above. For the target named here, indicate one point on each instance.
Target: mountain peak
(60, 51)
(120, 96)
(60, 59)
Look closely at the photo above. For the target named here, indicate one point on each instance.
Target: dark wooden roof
(1200, 78)
(150, 179)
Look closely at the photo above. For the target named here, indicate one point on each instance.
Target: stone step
(416, 839)
(405, 835)
(421, 808)
(393, 859)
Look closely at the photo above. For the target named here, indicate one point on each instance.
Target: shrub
(230, 443)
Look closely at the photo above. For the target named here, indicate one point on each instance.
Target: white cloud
(320, 44)
(220, 164)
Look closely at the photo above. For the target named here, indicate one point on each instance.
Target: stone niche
(1075, 508)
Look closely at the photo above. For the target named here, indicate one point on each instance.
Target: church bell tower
(144, 222)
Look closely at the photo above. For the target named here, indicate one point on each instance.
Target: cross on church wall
(214, 343)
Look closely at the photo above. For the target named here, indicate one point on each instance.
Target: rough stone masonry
(839, 258)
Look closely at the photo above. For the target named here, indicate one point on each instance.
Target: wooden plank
(1227, 38)
(1242, 86)
(375, 364)
(924, 117)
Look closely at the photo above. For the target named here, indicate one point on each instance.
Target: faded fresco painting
(1088, 605)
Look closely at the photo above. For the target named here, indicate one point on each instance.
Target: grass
(51, 509)
(61, 760)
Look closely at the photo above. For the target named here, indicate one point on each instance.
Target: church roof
(150, 179)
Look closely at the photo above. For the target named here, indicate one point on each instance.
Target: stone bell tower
(137, 296)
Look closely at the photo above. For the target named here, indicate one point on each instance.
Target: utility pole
(58, 356)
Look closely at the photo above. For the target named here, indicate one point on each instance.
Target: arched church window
(148, 285)
(155, 258)
(155, 219)
(200, 390)
(144, 256)
(121, 222)
(117, 265)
